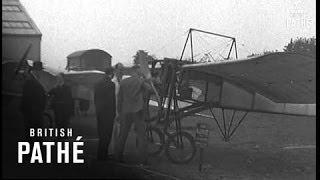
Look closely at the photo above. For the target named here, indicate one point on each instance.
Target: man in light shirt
(131, 109)
(118, 73)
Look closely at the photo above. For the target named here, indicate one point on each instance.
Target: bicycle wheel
(47, 120)
(180, 149)
(155, 141)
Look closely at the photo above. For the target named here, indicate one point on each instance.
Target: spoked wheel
(180, 149)
(155, 141)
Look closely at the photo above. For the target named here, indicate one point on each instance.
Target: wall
(13, 47)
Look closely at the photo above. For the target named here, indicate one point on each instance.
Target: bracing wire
(218, 50)
(214, 49)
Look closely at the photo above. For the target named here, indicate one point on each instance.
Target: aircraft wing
(283, 83)
(280, 77)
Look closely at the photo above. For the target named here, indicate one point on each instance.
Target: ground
(266, 146)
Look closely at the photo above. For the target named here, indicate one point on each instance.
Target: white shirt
(116, 90)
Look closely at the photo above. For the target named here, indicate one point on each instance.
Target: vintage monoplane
(280, 83)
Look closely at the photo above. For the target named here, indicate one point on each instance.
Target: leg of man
(125, 124)
(102, 146)
(109, 130)
(28, 124)
(57, 118)
(115, 136)
(65, 117)
(27, 116)
(140, 127)
(37, 122)
(105, 127)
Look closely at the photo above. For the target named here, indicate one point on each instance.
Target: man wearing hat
(33, 99)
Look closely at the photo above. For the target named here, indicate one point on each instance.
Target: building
(93, 59)
(18, 32)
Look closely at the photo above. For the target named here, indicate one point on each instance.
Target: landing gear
(180, 148)
(155, 139)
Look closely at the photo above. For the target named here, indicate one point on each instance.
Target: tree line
(300, 45)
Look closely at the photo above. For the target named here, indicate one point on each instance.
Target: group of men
(121, 101)
(118, 101)
(35, 97)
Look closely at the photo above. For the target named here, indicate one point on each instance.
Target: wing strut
(228, 130)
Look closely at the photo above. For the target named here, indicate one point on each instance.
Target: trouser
(140, 127)
(62, 116)
(115, 137)
(105, 127)
(33, 118)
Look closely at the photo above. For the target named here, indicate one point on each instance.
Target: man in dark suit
(33, 100)
(62, 103)
(105, 103)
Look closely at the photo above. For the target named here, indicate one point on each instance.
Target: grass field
(265, 146)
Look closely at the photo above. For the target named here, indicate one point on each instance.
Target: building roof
(80, 53)
(16, 20)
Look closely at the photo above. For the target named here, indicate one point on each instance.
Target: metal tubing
(230, 123)
(215, 119)
(177, 116)
(191, 45)
(194, 110)
(235, 47)
(206, 93)
(211, 33)
(224, 124)
(230, 49)
(239, 123)
(177, 129)
(170, 94)
(184, 47)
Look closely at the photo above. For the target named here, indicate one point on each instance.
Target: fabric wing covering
(281, 77)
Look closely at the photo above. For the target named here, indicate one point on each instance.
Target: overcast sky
(160, 26)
